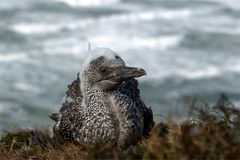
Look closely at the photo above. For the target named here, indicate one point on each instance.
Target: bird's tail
(55, 117)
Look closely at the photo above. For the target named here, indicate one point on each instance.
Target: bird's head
(105, 69)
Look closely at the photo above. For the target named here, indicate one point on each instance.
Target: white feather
(96, 53)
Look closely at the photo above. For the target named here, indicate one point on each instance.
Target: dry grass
(208, 134)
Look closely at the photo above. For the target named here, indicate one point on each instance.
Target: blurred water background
(189, 48)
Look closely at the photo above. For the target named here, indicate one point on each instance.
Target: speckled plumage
(99, 111)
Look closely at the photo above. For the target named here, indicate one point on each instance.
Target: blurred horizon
(189, 49)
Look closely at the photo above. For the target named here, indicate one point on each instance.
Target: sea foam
(87, 3)
(115, 19)
(122, 42)
(10, 57)
(206, 72)
(35, 28)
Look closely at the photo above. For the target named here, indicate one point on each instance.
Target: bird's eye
(103, 69)
(117, 57)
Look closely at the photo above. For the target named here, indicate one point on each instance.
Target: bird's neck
(95, 97)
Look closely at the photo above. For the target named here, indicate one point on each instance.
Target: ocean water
(189, 48)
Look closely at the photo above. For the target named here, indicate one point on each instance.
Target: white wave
(165, 14)
(163, 42)
(234, 4)
(65, 46)
(124, 43)
(87, 3)
(44, 28)
(224, 30)
(149, 15)
(27, 87)
(120, 43)
(158, 73)
(13, 4)
(207, 72)
(13, 57)
(232, 65)
(74, 50)
(134, 17)
(34, 28)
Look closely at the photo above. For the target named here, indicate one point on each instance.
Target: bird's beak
(122, 73)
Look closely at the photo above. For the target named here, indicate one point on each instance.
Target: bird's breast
(101, 124)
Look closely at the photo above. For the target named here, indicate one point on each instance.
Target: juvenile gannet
(103, 105)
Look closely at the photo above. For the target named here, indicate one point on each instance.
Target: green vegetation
(209, 133)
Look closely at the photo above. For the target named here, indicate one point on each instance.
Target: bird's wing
(69, 112)
(71, 100)
(73, 95)
(130, 88)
